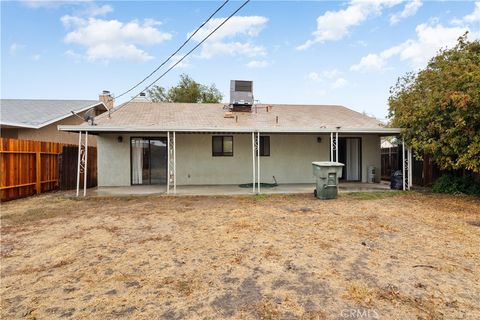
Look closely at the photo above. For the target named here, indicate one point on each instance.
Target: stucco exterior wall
(289, 161)
(113, 159)
(49, 133)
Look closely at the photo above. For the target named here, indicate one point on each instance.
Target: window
(265, 146)
(222, 146)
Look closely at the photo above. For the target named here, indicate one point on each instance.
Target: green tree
(187, 90)
(438, 108)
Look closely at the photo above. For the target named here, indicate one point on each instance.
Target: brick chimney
(106, 98)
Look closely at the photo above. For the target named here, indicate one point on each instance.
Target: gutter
(100, 129)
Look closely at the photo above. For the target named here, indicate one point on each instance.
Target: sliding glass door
(148, 161)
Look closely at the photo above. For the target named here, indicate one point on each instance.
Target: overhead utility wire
(188, 53)
(173, 54)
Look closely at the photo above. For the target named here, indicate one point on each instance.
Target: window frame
(262, 146)
(222, 154)
(148, 139)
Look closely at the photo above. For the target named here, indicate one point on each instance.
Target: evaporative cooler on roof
(241, 93)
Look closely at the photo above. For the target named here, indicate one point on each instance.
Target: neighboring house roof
(30, 113)
(149, 116)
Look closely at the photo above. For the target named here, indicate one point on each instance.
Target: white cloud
(95, 10)
(409, 10)
(339, 83)
(258, 64)
(51, 3)
(324, 75)
(112, 39)
(371, 62)
(232, 48)
(430, 38)
(14, 47)
(334, 25)
(222, 43)
(333, 77)
(76, 57)
(470, 18)
(475, 15)
(183, 64)
(314, 76)
(36, 57)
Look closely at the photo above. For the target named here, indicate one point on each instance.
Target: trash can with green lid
(327, 174)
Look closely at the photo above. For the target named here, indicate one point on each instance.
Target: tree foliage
(438, 108)
(187, 90)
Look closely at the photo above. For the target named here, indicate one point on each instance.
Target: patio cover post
(403, 166)
(168, 162)
(336, 146)
(253, 162)
(85, 165)
(331, 146)
(258, 162)
(79, 159)
(174, 163)
(409, 168)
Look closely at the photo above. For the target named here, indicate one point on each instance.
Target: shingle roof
(197, 117)
(151, 116)
(38, 113)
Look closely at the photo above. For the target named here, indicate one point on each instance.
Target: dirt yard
(362, 256)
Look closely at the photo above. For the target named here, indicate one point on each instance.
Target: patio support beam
(174, 163)
(82, 164)
(171, 162)
(253, 162)
(85, 170)
(258, 162)
(410, 164)
(79, 160)
(168, 162)
(403, 164)
(406, 166)
(336, 146)
(331, 146)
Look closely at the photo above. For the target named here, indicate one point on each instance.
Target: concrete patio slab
(218, 190)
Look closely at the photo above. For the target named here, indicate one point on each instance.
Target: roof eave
(44, 124)
(100, 129)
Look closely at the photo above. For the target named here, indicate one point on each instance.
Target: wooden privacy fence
(32, 167)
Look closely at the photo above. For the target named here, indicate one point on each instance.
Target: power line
(188, 53)
(176, 51)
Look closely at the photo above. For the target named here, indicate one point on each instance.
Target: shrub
(449, 183)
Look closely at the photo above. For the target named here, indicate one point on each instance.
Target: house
(37, 119)
(182, 144)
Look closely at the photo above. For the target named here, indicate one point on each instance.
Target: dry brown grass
(360, 293)
(398, 255)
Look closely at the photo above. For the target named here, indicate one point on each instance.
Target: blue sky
(325, 52)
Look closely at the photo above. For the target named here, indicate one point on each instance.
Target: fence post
(38, 184)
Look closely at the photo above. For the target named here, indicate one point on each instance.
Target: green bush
(448, 183)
